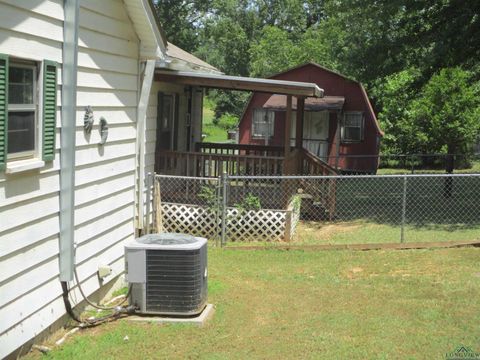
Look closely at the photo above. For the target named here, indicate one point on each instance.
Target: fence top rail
(186, 177)
(294, 177)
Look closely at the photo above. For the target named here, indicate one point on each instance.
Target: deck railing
(312, 165)
(214, 165)
(240, 149)
(212, 160)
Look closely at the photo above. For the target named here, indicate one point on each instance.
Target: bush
(226, 121)
(228, 101)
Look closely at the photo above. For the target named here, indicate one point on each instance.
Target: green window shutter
(49, 109)
(3, 110)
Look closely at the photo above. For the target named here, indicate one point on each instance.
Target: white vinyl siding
(30, 292)
(151, 124)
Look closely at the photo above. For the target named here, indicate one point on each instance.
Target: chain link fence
(184, 204)
(388, 164)
(316, 210)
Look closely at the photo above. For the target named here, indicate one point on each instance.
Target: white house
(58, 185)
(70, 198)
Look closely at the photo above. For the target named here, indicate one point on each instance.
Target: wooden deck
(212, 160)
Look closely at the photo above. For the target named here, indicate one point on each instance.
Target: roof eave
(209, 80)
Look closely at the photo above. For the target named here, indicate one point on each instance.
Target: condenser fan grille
(175, 280)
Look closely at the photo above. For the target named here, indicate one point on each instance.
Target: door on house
(315, 132)
(166, 139)
(167, 130)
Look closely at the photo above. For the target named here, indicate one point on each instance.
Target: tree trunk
(449, 166)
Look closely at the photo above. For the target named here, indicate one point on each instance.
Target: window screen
(263, 121)
(352, 126)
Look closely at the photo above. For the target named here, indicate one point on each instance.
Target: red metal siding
(333, 85)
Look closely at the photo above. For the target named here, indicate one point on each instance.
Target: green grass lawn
(214, 133)
(475, 169)
(270, 304)
(362, 232)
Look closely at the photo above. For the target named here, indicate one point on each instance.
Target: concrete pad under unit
(198, 320)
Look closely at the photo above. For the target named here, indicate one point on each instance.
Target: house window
(262, 124)
(28, 108)
(22, 110)
(352, 126)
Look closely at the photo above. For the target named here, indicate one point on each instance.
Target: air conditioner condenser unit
(167, 273)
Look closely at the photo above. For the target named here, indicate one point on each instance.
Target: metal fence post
(154, 204)
(224, 208)
(147, 215)
(404, 209)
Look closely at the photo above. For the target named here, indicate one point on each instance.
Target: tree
(314, 47)
(395, 94)
(274, 52)
(226, 46)
(373, 39)
(448, 112)
(181, 19)
(229, 102)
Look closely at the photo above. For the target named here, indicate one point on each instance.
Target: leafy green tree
(448, 112)
(229, 101)
(273, 53)
(314, 47)
(226, 46)
(443, 117)
(394, 95)
(180, 20)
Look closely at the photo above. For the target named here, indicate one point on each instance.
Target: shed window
(262, 124)
(352, 126)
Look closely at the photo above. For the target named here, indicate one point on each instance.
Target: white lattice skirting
(252, 225)
(190, 219)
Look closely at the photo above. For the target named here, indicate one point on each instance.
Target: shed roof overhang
(279, 103)
(217, 81)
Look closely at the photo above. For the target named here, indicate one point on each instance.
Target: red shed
(341, 128)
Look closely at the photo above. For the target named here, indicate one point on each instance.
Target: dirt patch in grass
(322, 232)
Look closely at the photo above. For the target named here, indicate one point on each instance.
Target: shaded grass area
(380, 199)
(474, 169)
(308, 305)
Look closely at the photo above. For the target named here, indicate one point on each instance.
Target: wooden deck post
(288, 225)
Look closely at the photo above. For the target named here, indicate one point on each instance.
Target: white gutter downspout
(67, 149)
(141, 119)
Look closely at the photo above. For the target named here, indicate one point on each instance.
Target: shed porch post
(299, 133)
(337, 139)
(288, 126)
(299, 123)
